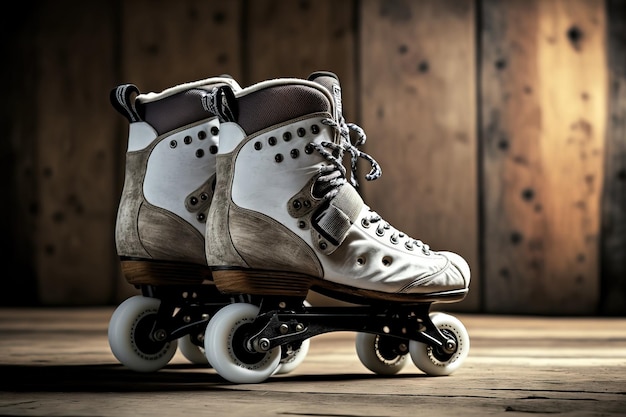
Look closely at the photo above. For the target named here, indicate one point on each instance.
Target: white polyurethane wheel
(370, 348)
(224, 346)
(192, 352)
(434, 361)
(129, 331)
(287, 365)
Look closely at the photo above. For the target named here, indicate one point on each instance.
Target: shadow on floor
(116, 378)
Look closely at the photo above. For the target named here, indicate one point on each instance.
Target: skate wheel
(434, 361)
(129, 335)
(383, 355)
(290, 363)
(224, 345)
(192, 352)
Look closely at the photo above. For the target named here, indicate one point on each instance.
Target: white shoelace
(335, 176)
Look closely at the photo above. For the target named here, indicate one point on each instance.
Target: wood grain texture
(418, 109)
(296, 38)
(613, 248)
(167, 43)
(543, 107)
(58, 362)
(76, 153)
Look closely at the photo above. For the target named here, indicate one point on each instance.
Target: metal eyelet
(408, 245)
(380, 232)
(365, 223)
(393, 239)
(201, 135)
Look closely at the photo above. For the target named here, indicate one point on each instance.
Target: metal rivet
(302, 224)
(258, 146)
(201, 135)
(193, 201)
(308, 149)
(272, 141)
(296, 204)
(294, 153)
(323, 245)
(315, 129)
(173, 144)
(201, 217)
(187, 140)
(307, 203)
(199, 153)
(215, 131)
(278, 158)
(213, 149)
(301, 131)
(204, 196)
(287, 136)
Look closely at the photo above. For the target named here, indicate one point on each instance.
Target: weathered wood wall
(499, 125)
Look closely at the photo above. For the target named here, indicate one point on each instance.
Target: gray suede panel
(127, 238)
(166, 236)
(266, 244)
(219, 250)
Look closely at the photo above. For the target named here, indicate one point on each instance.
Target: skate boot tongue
(331, 82)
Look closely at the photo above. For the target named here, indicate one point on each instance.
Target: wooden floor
(57, 362)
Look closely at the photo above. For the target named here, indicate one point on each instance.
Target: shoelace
(335, 176)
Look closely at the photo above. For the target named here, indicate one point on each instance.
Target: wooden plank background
(543, 123)
(499, 127)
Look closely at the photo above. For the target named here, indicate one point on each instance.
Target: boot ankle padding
(174, 111)
(293, 101)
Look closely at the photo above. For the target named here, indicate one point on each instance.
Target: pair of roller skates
(236, 204)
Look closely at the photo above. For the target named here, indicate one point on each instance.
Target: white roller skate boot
(285, 220)
(161, 220)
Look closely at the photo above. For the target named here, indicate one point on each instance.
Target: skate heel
(150, 272)
(260, 282)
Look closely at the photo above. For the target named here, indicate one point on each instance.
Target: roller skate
(286, 219)
(160, 226)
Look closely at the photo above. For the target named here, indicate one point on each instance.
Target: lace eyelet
(409, 246)
(386, 261)
(380, 232)
(365, 223)
(360, 261)
(393, 239)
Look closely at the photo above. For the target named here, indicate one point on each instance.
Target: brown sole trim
(147, 272)
(260, 282)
